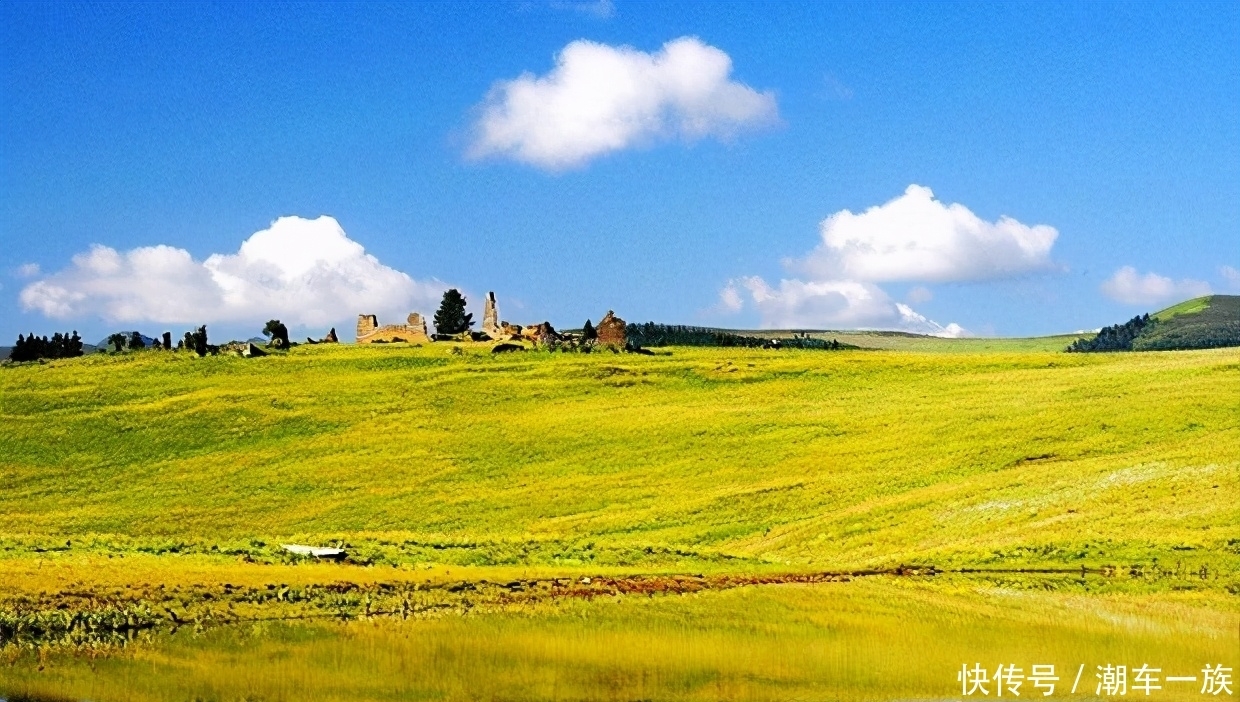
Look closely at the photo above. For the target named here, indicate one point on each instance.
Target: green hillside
(1204, 322)
(1201, 323)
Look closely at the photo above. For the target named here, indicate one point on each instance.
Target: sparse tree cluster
(652, 334)
(1117, 337)
(68, 346)
(32, 348)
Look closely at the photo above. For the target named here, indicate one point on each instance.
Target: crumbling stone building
(413, 331)
(611, 331)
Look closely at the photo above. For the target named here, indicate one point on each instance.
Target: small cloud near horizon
(1129, 287)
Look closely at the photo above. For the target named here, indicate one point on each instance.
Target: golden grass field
(699, 459)
(149, 482)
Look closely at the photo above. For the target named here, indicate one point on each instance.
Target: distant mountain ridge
(1206, 322)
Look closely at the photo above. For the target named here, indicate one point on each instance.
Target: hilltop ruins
(413, 331)
(611, 330)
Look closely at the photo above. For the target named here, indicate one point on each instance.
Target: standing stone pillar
(490, 317)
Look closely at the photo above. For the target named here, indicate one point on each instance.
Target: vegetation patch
(1201, 323)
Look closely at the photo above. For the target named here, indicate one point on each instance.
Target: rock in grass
(335, 554)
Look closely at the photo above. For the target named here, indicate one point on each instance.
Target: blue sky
(688, 178)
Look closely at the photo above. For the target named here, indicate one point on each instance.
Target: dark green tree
(31, 349)
(200, 341)
(277, 332)
(452, 317)
(20, 350)
(135, 341)
(117, 342)
(588, 332)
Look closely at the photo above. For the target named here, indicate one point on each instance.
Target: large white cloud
(913, 238)
(601, 98)
(1131, 288)
(301, 271)
(918, 238)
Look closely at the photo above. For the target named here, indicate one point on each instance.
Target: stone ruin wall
(611, 331)
(413, 331)
(490, 318)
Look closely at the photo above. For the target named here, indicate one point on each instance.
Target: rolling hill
(1206, 322)
(1201, 323)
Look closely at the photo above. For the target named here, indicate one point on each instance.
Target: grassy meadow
(644, 509)
(697, 459)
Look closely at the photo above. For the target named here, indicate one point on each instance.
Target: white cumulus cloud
(913, 238)
(601, 98)
(301, 271)
(918, 238)
(1131, 288)
(27, 270)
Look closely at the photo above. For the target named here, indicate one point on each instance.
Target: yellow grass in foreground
(706, 459)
